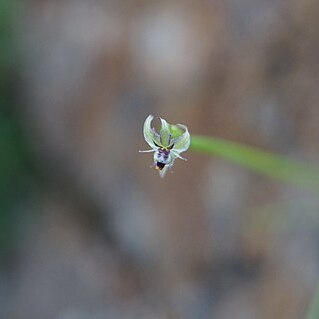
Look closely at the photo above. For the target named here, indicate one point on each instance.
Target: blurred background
(87, 228)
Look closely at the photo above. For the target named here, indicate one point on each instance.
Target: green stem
(313, 312)
(266, 163)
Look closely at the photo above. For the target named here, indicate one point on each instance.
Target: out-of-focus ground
(92, 231)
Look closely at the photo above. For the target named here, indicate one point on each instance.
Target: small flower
(166, 148)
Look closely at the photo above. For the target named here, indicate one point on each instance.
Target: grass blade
(313, 312)
(266, 163)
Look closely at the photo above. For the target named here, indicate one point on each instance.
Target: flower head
(165, 145)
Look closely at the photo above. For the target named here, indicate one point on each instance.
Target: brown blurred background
(88, 230)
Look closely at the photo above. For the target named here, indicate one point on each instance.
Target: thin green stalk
(275, 166)
(313, 312)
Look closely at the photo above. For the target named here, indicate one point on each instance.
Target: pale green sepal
(182, 142)
(150, 135)
(165, 133)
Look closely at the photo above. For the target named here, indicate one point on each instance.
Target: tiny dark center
(160, 165)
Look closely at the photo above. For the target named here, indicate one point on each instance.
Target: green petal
(149, 133)
(165, 133)
(181, 143)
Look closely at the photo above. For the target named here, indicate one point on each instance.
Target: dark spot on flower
(160, 165)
